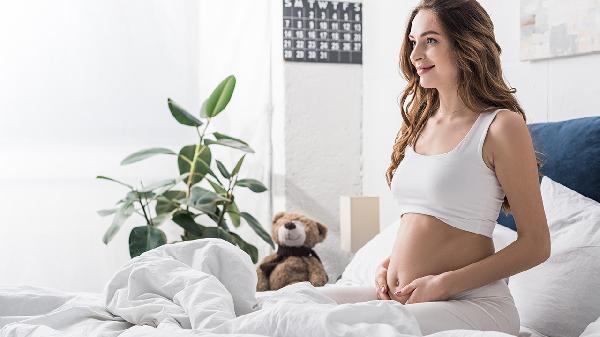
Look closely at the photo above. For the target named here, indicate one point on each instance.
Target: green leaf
(143, 154)
(219, 98)
(223, 224)
(162, 186)
(258, 229)
(182, 116)
(223, 170)
(201, 168)
(124, 212)
(160, 218)
(211, 210)
(114, 180)
(253, 184)
(208, 209)
(145, 238)
(220, 233)
(107, 212)
(206, 167)
(237, 167)
(139, 195)
(195, 231)
(169, 201)
(165, 207)
(222, 136)
(229, 143)
(201, 196)
(186, 221)
(245, 246)
(220, 189)
(174, 195)
(234, 214)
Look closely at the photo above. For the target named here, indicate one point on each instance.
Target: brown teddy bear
(295, 260)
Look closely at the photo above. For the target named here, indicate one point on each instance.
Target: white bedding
(199, 288)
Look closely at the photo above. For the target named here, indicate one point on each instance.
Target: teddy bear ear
(278, 216)
(322, 230)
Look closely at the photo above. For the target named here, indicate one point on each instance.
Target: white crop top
(456, 187)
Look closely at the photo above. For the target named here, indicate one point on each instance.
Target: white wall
(316, 140)
(82, 85)
(322, 146)
(548, 90)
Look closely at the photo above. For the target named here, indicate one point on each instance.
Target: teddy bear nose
(290, 225)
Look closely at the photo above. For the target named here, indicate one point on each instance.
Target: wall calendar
(322, 31)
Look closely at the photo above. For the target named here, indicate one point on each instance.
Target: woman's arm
(515, 166)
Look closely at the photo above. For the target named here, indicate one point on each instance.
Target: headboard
(570, 154)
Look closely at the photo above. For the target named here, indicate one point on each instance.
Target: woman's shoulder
(507, 133)
(506, 122)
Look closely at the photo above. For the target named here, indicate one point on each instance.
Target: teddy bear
(295, 260)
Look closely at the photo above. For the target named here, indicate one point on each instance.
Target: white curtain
(83, 83)
(235, 39)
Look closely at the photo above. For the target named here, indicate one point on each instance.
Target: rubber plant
(184, 205)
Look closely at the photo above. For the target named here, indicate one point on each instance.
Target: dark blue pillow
(570, 155)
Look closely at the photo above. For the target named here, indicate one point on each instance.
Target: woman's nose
(415, 57)
(416, 54)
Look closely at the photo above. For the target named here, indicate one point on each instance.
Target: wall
(316, 140)
(82, 85)
(548, 90)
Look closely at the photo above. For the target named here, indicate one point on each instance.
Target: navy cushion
(570, 155)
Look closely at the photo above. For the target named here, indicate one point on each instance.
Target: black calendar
(322, 31)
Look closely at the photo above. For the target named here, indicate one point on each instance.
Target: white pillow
(561, 296)
(362, 267)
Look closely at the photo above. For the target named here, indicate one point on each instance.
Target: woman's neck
(451, 105)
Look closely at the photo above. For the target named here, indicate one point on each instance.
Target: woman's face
(431, 52)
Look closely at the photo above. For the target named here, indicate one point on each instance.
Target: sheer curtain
(235, 39)
(85, 83)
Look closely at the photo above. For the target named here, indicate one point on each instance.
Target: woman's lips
(422, 71)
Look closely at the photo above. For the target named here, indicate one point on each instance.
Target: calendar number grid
(322, 31)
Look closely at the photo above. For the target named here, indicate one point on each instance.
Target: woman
(463, 152)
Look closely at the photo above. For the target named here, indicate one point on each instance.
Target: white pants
(489, 308)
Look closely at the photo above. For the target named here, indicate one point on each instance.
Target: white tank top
(456, 187)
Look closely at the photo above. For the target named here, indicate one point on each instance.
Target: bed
(207, 287)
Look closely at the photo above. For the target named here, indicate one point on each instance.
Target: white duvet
(199, 288)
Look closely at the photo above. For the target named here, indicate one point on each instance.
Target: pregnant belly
(425, 245)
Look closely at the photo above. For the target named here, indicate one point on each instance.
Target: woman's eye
(429, 40)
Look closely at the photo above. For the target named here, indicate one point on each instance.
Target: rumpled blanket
(199, 288)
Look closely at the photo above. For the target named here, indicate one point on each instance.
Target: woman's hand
(381, 280)
(424, 289)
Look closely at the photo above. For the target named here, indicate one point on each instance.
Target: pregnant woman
(462, 153)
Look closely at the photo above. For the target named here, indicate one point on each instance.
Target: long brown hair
(480, 81)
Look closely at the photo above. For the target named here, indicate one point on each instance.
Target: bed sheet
(199, 288)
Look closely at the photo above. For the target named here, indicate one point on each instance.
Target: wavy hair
(480, 81)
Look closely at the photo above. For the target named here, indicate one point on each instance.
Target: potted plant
(184, 206)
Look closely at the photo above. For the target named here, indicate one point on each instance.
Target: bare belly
(427, 246)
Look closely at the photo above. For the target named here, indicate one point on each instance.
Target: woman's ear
(322, 231)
